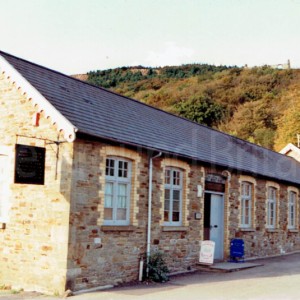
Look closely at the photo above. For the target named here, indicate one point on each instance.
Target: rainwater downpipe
(150, 208)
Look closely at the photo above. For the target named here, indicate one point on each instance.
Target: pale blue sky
(75, 36)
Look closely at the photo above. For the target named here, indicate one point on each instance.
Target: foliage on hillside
(289, 121)
(112, 78)
(254, 104)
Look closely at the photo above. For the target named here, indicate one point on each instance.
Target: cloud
(171, 54)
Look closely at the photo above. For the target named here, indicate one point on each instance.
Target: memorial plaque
(30, 164)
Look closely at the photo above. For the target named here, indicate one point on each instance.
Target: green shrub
(157, 268)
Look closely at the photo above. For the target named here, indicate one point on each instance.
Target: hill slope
(260, 104)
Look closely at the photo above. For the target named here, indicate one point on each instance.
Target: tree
(264, 137)
(255, 122)
(201, 110)
(288, 126)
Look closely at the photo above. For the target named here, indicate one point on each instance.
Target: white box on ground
(207, 251)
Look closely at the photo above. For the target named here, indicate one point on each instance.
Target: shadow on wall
(83, 183)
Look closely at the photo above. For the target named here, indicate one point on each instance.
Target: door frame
(223, 217)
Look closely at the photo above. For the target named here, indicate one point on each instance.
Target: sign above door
(215, 182)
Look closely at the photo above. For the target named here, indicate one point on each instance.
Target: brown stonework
(34, 239)
(55, 237)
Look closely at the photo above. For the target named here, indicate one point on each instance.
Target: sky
(77, 36)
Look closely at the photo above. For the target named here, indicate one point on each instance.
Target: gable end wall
(33, 245)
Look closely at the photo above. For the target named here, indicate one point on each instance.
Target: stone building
(83, 171)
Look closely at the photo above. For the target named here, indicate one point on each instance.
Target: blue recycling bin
(237, 250)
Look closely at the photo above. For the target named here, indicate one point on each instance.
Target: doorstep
(226, 267)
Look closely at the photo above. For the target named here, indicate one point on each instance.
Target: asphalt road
(278, 278)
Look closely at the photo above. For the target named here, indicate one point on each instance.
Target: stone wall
(100, 255)
(55, 236)
(259, 240)
(181, 244)
(33, 241)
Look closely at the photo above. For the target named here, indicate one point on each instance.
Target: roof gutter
(132, 144)
(150, 209)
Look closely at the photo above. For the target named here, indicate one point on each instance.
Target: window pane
(166, 216)
(176, 206)
(167, 194)
(108, 201)
(167, 176)
(167, 205)
(121, 213)
(268, 213)
(175, 217)
(122, 195)
(292, 217)
(272, 193)
(123, 169)
(120, 174)
(247, 189)
(176, 177)
(243, 189)
(166, 210)
(110, 163)
(176, 195)
(272, 207)
(242, 214)
(272, 213)
(108, 214)
(292, 197)
(292, 208)
(246, 220)
(108, 195)
(247, 204)
(247, 212)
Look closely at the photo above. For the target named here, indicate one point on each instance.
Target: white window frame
(173, 187)
(292, 209)
(244, 199)
(115, 180)
(272, 215)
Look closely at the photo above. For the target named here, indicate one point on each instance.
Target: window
(173, 197)
(292, 210)
(246, 204)
(271, 207)
(30, 165)
(117, 191)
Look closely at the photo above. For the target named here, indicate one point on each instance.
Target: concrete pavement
(278, 278)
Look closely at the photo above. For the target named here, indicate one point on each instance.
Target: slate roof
(104, 114)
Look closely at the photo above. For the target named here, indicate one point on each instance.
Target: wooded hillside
(261, 105)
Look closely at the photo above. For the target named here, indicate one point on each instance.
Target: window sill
(247, 229)
(128, 228)
(293, 230)
(272, 230)
(175, 228)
